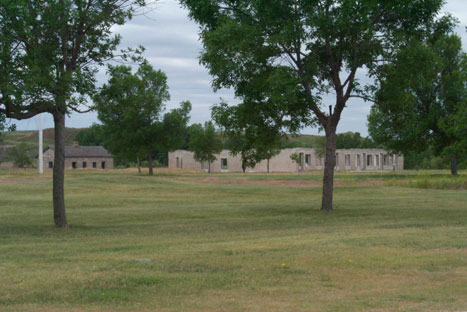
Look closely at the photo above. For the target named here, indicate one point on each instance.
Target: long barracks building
(346, 160)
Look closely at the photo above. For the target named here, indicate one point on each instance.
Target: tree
(92, 136)
(205, 142)
(130, 108)
(49, 53)
(20, 155)
(418, 106)
(252, 136)
(316, 47)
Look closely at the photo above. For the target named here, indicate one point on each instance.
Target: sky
(172, 45)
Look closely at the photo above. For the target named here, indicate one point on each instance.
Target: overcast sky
(172, 45)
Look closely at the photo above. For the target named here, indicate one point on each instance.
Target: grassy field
(182, 241)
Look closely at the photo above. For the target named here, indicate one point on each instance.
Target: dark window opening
(74, 165)
(347, 160)
(85, 164)
(224, 164)
(103, 165)
(94, 164)
(308, 159)
(51, 164)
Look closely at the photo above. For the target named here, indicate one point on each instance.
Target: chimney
(75, 144)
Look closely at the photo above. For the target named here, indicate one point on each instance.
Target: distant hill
(301, 140)
(31, 138)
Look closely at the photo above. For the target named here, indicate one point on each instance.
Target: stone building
(347, 160)
(79, 157)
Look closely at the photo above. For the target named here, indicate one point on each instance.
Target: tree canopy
(253, 136)
(92, 136)
(299, 51)
(418, 106)
(130, 107)
(205, 142)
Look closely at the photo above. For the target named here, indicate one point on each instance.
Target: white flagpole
(40, 159)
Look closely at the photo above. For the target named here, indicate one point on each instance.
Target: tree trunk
(209, 167)
(138, 162)
(329, 164)
(268, 165)
(59, 172)
(151, 172)
(453, 163)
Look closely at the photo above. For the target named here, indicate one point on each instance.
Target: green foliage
(205, 142)
(295, 157)
(420, 106)
(283, 57)
(354, 140)
(320, 146)
(130, 108)
(92, 136)
(254, 136)
(51, 52)
(5, 126)
(20, 154)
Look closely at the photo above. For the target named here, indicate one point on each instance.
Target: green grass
(174, 242)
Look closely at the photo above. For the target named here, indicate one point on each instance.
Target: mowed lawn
(181, 241)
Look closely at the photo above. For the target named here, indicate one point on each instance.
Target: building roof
(85, 151)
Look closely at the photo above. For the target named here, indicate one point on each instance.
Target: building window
(387, 160)
(74, 165)
(369, 160)
(85, 164)
(347, 160)
(224, 164)
(377, 160)
(103, 165)
(94, 164)
(51, 164)
(177, 162)
(308, 159)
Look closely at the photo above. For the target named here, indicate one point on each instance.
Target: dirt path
(22, 179)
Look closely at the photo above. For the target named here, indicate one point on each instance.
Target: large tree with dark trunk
(318, 46)
(420, 99)
(49, 53)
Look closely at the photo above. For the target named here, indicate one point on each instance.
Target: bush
(20, 155)
(432, 182)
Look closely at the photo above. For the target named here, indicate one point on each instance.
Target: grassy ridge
(30, 138)
(184, 242)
